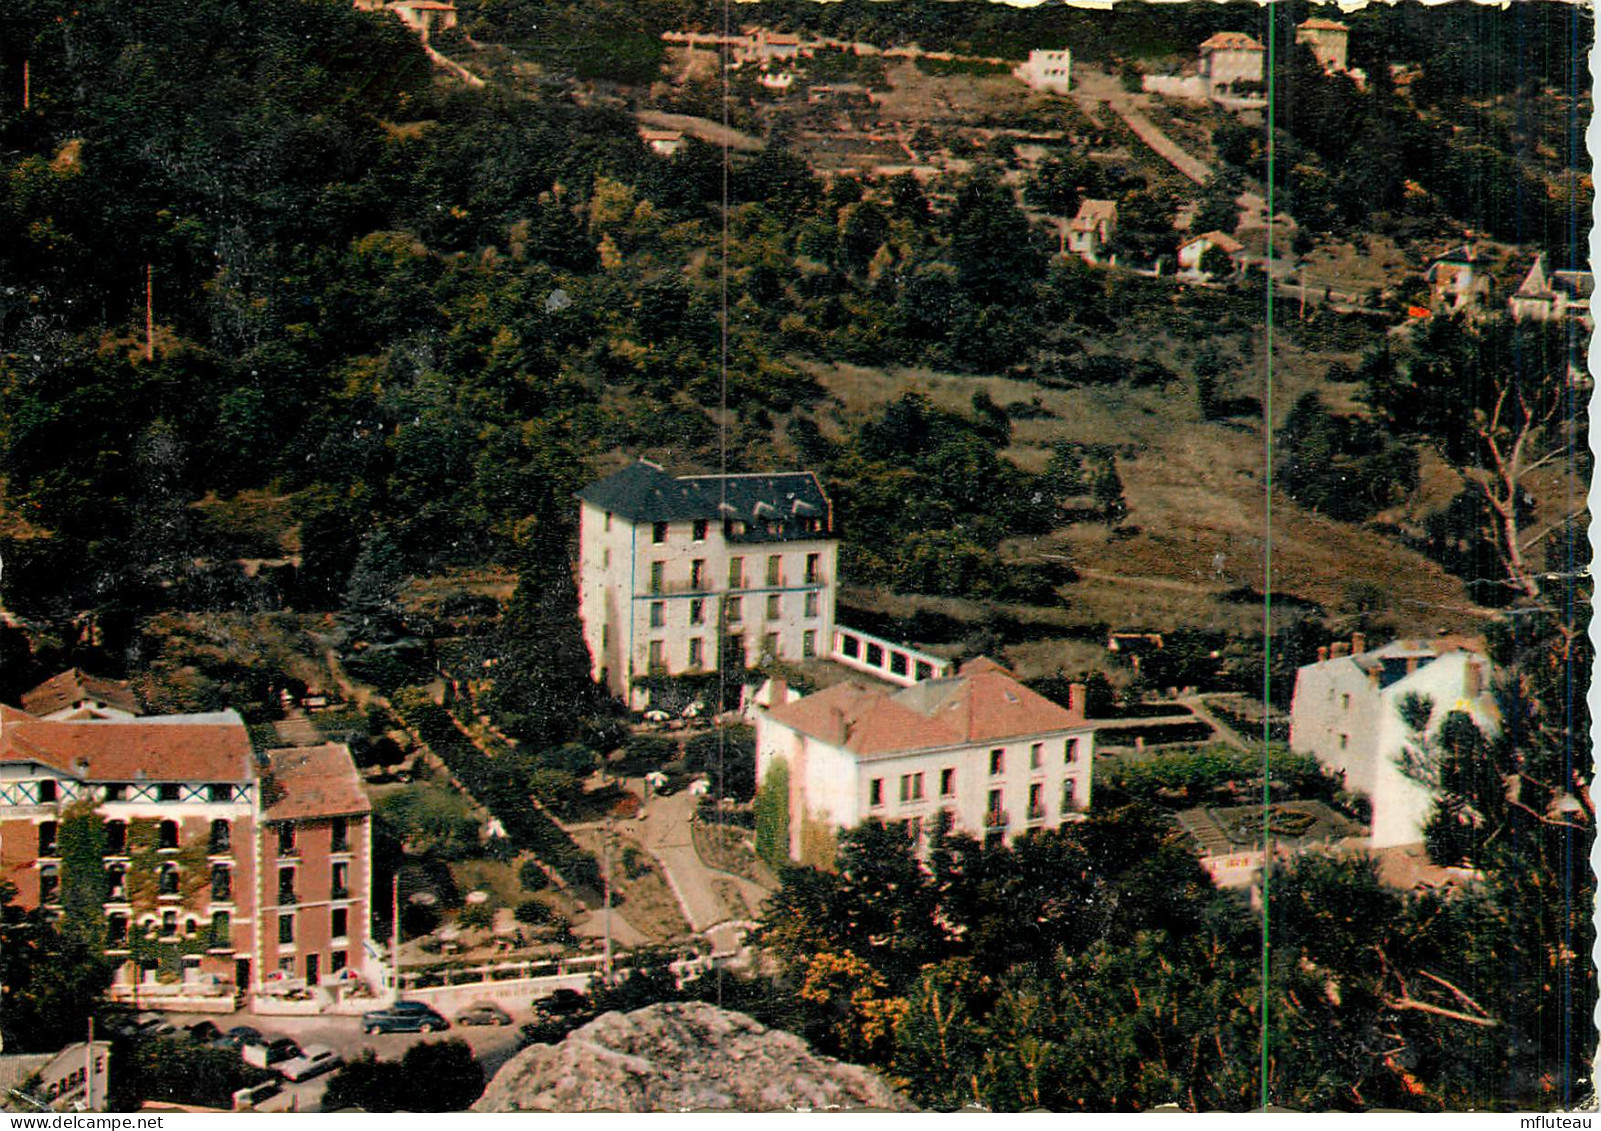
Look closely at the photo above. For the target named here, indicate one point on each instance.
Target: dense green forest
(418, 315)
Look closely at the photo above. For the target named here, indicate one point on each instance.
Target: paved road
(493, 1045)
(664, 831)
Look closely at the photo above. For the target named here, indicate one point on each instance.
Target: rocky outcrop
(682, 1056)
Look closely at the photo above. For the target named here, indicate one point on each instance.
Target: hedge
(499, 789)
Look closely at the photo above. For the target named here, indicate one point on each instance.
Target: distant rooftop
(1231, 41)
(74, 687)
(983, 703)
(643, 492)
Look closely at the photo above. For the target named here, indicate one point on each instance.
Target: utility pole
(89, 1067)
(394, 933)
(605, 856)
(150, 314)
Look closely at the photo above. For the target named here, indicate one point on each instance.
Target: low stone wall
(513, 996)
(1191, 87)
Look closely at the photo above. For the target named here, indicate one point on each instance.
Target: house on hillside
(1092, 230)
(1553, 296)
(1347, 712)
(764, 47)
(1327, 39)
(1231, 64)
(977, 753)
(256, 873)
(1458, 281)
(424, 16)
(76, 695)
(683, 575)
(1193, 251)
(1047, 70)
(663, 142)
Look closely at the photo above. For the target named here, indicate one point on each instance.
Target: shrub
(534, 913)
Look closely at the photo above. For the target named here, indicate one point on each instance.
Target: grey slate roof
(644, 492)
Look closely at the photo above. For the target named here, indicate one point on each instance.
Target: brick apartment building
(224, 870)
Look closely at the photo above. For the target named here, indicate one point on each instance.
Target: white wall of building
(831, 784)
(620, 611)
(1354, 727)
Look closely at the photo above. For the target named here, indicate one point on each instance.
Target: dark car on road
(483, 1013)
(404, 1017)
(241, 1035)
(204, 1031)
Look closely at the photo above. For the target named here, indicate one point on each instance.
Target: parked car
(204, 1031)
(483, 1013)
(153, 1025)
(316, 1060)
(241, 1035)
(246, 1099)
(404, 1017)
(270, 1055)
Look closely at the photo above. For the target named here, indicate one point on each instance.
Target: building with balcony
(681, 576)
(194, 866)
(977, 753)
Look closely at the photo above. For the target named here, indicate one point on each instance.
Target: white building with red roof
(1231, 60)
(221, 869)
(977, 753)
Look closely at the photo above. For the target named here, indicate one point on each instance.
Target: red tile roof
(1231, 41)
(1320, 24)
(72, 687)
(315, 781)
(196, 748)
(984, 703)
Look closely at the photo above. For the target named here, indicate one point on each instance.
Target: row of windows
(700, 528)
(734, 647)
(733, 609)
(338, 925)
(48, 790)
(995, 816)
(912, 784)
(337, 960)
(220, 928)
(220, 839)
(699, 578)
(339, 886)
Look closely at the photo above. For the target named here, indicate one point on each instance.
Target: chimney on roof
(1322, 653)
(82, 766)
(1359, 643)
(1075, 699)
(1340, 648)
